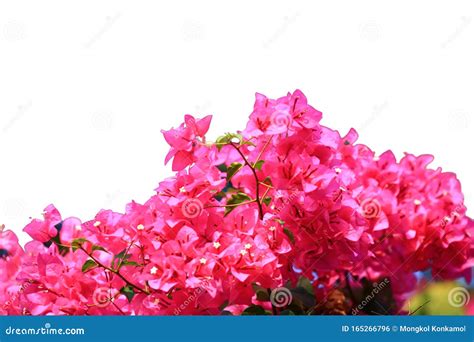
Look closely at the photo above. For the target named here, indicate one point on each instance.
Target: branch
(117, 272)
(257, 194)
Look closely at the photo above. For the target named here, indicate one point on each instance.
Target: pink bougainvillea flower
(185, 139)
(286, 202)
(44, 230)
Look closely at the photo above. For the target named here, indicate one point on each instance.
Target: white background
(86, 86)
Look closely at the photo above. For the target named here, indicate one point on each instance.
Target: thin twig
(264, 194)
(422, 305)
(124, 256)
(349, 288)
(261, 152)
(257, 191)
(230, 205)
(114, 272)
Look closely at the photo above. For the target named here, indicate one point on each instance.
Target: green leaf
(62, 249)
(222, 167)
(130, 263)
(76, 243)
(305, 283)
(232, 170)
(258, 165)
(262, 293)
(120, 258)
(267, 200)
(254, 310)
(268, 181)
(289, 233)
(227, 139)
(98, 248)
(121, 255)
(236, 199)
(248, 142)
(89, 264)
(128, 292)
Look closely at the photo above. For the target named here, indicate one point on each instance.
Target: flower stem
(257, 191)
(116, 272)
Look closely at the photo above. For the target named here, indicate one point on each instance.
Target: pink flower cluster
(284, 198)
